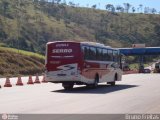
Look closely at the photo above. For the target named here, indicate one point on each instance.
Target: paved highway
(136, 93)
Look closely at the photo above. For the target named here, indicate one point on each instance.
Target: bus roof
(62, 42)
(94, 44)
(85, 43)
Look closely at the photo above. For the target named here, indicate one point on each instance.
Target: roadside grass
(5, 49)
(135, 66)
(15, 62)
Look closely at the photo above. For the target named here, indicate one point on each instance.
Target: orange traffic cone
(8, 83)
(19, 81)
(30, 81)
(37, 79)
(44, 79)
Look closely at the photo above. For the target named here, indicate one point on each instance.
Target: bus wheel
(89, 86)
(95, 84)
(111, 83)
(68, 86)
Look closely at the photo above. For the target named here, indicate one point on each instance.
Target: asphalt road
(136, 93)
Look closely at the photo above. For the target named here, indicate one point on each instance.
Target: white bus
(79, 63)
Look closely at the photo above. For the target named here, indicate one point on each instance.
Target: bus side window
(110, 55)
(115, 56)
(85, 51)
(105, 55)
(92, 53)
(99, 54)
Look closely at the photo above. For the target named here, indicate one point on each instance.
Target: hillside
(30, 25)
(14, 62)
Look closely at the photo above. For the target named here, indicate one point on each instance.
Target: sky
(101, 3)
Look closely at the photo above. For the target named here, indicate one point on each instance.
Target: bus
(81, 63)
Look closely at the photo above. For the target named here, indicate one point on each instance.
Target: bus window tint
(85, 50)
(115, 56)
(92, 53)
(105, 55)
(99, 54)
(110, 55)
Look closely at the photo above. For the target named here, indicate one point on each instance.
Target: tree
(42, 3)
(110, 7)
(153, 10)
(118, 8)
(36, 1)
(141, 7)
(127, 6)
(94, 6)
(5, 5)
(122, 9)
(146, 10)
(133, 9)
(52, 2)
(157, 30)
(57, 1)
(72, 4)
(64, 2)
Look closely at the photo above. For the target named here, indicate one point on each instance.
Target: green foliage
(135, 66)
(29, 25)
(3, 45)
(22, 52)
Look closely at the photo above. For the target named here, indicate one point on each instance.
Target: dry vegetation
(13, 63)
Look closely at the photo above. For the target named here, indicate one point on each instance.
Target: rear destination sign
(62, 51)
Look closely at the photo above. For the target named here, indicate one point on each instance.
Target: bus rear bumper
(72, 79)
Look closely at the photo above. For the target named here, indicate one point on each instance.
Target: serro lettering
(61, 50)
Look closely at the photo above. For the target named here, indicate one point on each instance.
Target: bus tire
(95, 84)
(68, 86)
(89, 85)
(113, 83)
(96, 80)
